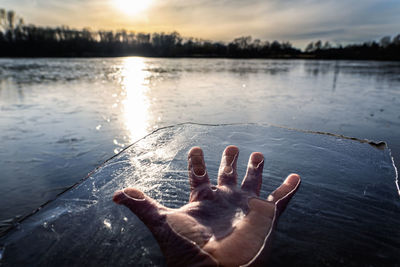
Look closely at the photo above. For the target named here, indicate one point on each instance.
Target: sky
(297, 21)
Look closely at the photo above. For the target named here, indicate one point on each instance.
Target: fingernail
(228, 169)
(197, 165)
(256, 159)
(199, 173)
(292, 179)
(229, 160)
(133, 193)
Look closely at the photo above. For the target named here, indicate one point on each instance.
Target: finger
(282, 195)
(227, 174)
(147, 209)
(171, 243)
(198, 176)
(253, 179)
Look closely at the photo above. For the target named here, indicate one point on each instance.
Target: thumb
(147, 209)
(282, 195)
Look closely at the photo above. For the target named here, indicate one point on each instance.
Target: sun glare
(132, 7)
(135, 104)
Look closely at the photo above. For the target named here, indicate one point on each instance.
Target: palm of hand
(221, 225)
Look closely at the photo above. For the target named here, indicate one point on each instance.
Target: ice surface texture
(346, 211)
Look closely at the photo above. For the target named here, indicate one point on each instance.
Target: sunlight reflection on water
(135, 103)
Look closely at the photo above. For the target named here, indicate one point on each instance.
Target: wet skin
(221, 225)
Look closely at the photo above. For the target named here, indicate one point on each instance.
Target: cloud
(299, 21)
(318, 34)
(295, 20)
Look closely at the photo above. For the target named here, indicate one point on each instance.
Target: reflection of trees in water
(335, 76)
(269, 67)
(379, 71)
(10, 91)
(316, 68)
(237, 66)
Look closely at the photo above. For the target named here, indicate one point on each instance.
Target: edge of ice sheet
(10, 224)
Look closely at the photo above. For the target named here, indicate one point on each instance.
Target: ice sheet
(346, 211)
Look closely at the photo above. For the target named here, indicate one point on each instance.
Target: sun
(132, 7)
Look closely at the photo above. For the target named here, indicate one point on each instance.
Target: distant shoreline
(161, 45)
(201, 57)
(20, 40)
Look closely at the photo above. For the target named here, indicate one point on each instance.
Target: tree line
(20, 40)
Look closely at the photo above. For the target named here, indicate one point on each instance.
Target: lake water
(60, 118)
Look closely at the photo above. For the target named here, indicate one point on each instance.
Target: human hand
(221, 225)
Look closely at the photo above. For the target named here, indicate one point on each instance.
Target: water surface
(60, 118)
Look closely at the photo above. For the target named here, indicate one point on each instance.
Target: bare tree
(385, 41)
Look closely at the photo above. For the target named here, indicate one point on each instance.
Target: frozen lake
(60, 118)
